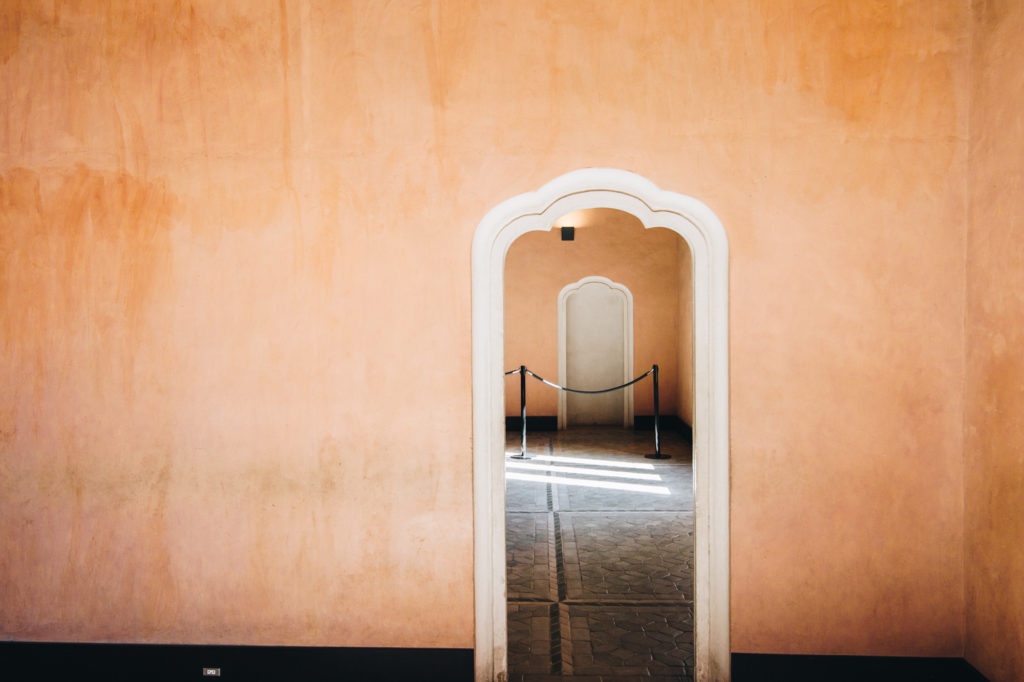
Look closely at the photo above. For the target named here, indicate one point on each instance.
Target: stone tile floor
(599, 547)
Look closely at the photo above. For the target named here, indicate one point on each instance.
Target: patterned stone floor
(600, 558)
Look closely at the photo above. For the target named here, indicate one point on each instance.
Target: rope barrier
(580, 390)
(523, 371)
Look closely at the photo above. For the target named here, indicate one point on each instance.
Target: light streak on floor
(581, 470)
(583, 460)
(589, 483)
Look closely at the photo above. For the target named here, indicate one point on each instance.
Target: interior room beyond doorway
(600, 539)
(653, 264)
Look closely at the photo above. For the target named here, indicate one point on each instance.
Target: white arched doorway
(705, 236)
(607, 338)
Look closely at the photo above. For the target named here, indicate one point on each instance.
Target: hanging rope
(579, 390)
(523, 371)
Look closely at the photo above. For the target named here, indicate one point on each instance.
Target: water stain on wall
(447, 35)
(10, 30)
(857, 56)
(82, 255)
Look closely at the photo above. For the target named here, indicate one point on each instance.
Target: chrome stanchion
(522, 410)
(657, 419)
(522, 404)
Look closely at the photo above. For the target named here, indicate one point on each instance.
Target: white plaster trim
(604, 188)
(627, 345)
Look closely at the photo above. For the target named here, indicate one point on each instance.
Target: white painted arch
(703, 232)
(627, 343)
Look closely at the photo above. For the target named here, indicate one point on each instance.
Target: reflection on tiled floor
(600, 558)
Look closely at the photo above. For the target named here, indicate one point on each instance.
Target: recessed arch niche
(706, 238)
(626, 296)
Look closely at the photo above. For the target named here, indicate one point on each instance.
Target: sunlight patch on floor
(589, 483)
(591, 462)
(581, 470)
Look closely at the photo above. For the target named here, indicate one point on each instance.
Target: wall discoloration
(84, 256)
(10, 30)
(854, 57)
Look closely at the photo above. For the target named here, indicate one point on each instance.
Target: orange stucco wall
(235, 294)
(994, 430)
(611, 244)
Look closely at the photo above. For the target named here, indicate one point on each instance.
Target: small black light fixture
(568, 233)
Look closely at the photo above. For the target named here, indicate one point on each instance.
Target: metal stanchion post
(522, 410)
(657, 419)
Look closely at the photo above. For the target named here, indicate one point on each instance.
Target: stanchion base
(519, 457)
(656, 455)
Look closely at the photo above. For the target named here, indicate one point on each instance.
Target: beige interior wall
(993, 465)
(684, 333)
(611, 244)
(235, 293)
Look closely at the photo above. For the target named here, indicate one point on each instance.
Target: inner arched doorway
(706, 239)
(595, 349)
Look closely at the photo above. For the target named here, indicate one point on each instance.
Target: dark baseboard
(785, 668)
(175, 662)
(532, 423)
(666, 422)
(642, 422)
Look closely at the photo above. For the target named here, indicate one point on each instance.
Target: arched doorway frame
(627, 345)
(705, 235)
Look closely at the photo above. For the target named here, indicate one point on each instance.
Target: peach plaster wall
(235, 296)
(993, 463)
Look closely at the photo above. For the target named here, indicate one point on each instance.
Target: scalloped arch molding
(703, 232)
